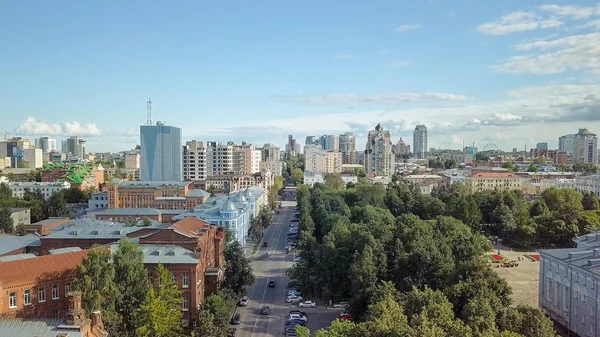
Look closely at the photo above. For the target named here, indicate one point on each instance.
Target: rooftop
(9, 243)
(40, 267)
(582, 257)
(153, 184)
(86, 228)
(197, 193)
(165, 254)
(131, 211)
(50, 221)
(35, 327)
(211, 209)
(423, 176)
(190, 226)
(488, 174)
(17, 257)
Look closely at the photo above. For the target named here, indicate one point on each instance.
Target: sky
(510, 73)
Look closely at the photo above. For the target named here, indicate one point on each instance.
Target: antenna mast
(149, 112)
(6, 135)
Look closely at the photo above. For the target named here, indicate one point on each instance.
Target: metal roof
(16, 257)
(131, 211)
(64, 250)
(153, 184)
(86, 228)
(228, 206)
(35, 327)
(197, 193)
(9, 243)
(165, 254)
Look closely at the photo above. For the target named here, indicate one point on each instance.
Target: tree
(590, 201)
(146, 222)
(6, 221)
(238, 272)
(95, 279)
(302, 331)
(211, 189)
(297, 176)
(5, 191)
(21, 229)
(334, 180)
(131, 280)
(213, 319)
(74, 195)
(57, 207)
(22, 164)
(160, 314)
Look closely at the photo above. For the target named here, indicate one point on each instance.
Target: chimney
(76, 315)
(97, 320)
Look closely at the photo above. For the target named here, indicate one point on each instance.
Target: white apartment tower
(45, 144)
(379, 158)
(219, 158)
(420, 141)
(347, 147)
(585, 147)
(246, 159)
(195, 165)
(318, 160)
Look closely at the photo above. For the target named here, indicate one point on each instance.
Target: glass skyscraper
(161, 153)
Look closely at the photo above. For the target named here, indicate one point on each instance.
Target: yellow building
(489, 181)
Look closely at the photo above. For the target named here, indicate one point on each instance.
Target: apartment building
(568, 285)
(330, 142)
(425, 182)
(132, 161)
(490, 181)
(319, 160)
(231, 182)
(33, 158)
(420, 141)
(246, 159)
(589, 183)
(585, 147)
(347, 146)
(379, 158)
(46, 189)
(195, 165)
(401, 148)
(270, 152)
(273, 166)
(154, 194)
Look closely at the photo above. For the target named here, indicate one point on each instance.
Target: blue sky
(507, 72)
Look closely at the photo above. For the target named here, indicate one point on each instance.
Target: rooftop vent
(170, 253)
(74, 233)
(117, 233)
(155, 253)
(94, 232)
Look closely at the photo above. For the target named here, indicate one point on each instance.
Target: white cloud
(347, 99)
(342, 56)
(517, 22)
(456, 140)
(575, 12)
(406, 28)
(33, 127)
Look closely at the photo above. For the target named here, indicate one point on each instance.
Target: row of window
(27, 296)
(185, 280)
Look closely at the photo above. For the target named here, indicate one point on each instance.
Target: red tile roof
(41, 268)
(190, 226)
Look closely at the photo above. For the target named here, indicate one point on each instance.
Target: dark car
(292, 284)
(236, 319)
(265, 244)
(264, 310)
(298, 312)
(271, 284)
(295, 322)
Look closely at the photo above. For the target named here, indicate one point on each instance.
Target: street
(273, 268)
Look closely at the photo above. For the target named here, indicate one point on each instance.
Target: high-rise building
(318, 160)
(585, 147)
(195, 166)
(420, 141)
(270, 152)
(74, 146)
(311, 140)
(565, 143)
(291, 148)
(330, 142)
(246, 159)
(161, 153)
(45, 144)
(379, 158)
(33, 157)
(347, 147)
(542, 146)
(401, 148)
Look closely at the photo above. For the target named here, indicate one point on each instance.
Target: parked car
(271, 284)
(235, 320)
(295, 322)
(244, 301)
(292, 299)
(265, 244)
(307, 304)
(297, 259)
(301, 313)
(296, 316)
(294, 293)
(292, 284)
(264, 310)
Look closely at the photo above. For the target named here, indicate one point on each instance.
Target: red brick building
(45, 226)
(37, 287)
(15, 245)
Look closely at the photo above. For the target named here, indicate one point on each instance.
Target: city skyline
(512, 74)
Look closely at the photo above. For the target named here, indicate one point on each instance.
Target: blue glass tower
(161, 153)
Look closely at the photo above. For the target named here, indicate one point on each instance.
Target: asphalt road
(267, 268)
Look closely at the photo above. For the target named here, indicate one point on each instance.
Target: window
(67, 288)
(186, 281)
(186, 304)
(42, 294)
(12, 300)
(174, 278)
(55, 291)
(27, 297)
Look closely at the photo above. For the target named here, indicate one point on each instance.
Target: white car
(297, 259)
(244, 301)
(307, 304)
(292, 299)
(340, 305)
(300, 317)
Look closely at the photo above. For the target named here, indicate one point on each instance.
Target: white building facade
(46, 189)
(589, 183)
(379, 158)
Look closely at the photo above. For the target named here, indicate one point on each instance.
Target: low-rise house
(312, 178)
(20, 216)
(233, 211)
(37, 287)
(589, 183)
(46, 189)
(349, 178)
(45, 227)
(15, 245)
(425, 182)
(493, 180)
(98, 200)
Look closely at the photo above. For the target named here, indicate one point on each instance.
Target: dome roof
(228, 206)
(240, 197)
